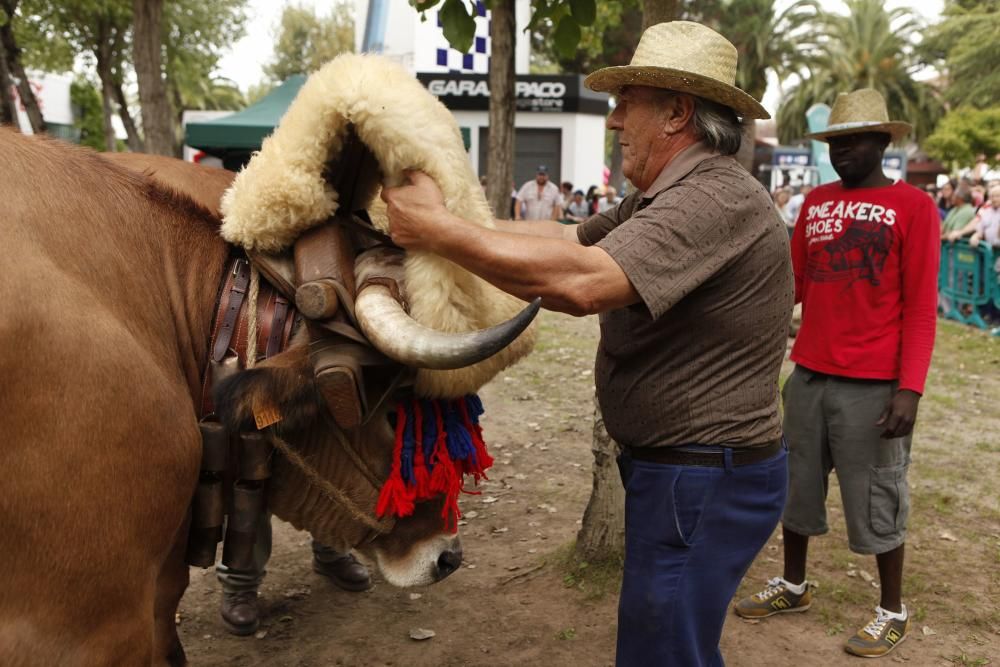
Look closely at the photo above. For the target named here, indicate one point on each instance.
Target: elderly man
(692, 279)
(540, 199)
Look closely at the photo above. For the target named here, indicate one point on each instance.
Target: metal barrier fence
(967, 281)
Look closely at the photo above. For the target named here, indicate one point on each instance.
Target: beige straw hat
(686, 57)
(861, 111)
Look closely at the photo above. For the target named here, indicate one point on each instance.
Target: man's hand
(900, 415)
(416, 211)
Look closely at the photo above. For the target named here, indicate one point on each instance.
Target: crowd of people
(541, 199)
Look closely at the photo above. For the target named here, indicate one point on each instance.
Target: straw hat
(686, 57)
(861, 111)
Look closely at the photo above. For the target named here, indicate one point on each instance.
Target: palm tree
(767, 40)
(870, 47)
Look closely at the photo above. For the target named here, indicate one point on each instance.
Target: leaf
(423, 5)
(567, 36)
(458, 25)
(543, 10)
(584, 11)
(421, 634)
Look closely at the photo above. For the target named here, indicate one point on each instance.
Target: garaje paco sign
(471, 92)
(531, 95)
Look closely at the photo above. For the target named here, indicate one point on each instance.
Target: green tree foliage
(869, 47)
(964, 133)
(87, 112)
(306, 41)
(197, 34)
(966, 45)
(567, 20)
(98, 34)
(766, 39)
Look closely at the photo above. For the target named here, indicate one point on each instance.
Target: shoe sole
(848, 651)
(351, 586)
(240, 630)
(791, 610)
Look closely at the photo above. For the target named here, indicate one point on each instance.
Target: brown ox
(108, 289)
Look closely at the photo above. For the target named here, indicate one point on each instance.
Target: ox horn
(392, 331)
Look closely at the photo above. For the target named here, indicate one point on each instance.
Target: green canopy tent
(235, 137)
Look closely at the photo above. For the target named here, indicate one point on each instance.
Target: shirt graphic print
(857, 238)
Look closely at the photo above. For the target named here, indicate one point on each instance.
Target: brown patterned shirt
(697, 359)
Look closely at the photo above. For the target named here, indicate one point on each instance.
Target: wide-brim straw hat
(863, 110)
(686, 57)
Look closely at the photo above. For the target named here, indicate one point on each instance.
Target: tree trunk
(500, 175)
(8, 112)
(103, 55)
(658, 11)
(602, 534)
(134, 140)
(13, 56)
(747, 144)
(157, 125)
(617, 175)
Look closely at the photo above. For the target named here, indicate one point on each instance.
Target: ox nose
(448, 562)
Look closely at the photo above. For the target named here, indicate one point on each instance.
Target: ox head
(336, 499)
(415, 550)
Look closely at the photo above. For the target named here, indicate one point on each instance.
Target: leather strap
(233, 293)
(276, 318)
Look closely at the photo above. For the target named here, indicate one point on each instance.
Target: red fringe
(395, 498)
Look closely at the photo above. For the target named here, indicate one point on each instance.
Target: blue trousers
(691, 533)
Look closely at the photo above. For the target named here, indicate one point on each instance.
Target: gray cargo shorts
(829, 423)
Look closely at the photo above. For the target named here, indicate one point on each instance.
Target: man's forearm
(548, 267)
(544, 228)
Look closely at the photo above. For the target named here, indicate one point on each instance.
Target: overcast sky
(244, 64)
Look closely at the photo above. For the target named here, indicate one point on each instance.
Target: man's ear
(279, 390)
(679, 110)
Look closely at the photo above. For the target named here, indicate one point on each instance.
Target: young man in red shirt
(865, 254)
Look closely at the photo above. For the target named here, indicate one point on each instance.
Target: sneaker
(776, 598)
(882, 634)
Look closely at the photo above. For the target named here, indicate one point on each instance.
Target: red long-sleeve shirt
(866, 271)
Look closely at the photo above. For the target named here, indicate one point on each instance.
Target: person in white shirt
(795, 202)
(539, 199)
(609, 200)
(577, 208)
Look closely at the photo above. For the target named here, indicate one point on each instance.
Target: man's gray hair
(718, 126)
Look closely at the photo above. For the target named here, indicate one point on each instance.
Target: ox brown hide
(109, 287)
(205, 185)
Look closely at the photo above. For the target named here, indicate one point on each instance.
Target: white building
(52, 92)
(558, 122)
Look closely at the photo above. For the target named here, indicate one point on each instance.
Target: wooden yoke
(324, 275)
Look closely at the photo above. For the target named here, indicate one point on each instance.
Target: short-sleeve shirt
(989, 225)
(539, 207)
(696, 361)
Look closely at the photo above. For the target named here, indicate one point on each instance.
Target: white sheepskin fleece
(282, 192)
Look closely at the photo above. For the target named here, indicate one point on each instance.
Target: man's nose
(614, 121)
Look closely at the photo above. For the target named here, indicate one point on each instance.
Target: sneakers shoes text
(882, 634)
(776, 598)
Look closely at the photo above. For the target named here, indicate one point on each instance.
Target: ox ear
(279, 389)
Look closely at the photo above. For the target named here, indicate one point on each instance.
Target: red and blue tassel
(437, 442)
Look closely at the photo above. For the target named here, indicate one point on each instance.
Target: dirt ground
(514, 601)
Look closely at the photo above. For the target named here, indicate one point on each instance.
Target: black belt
(683, 457)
